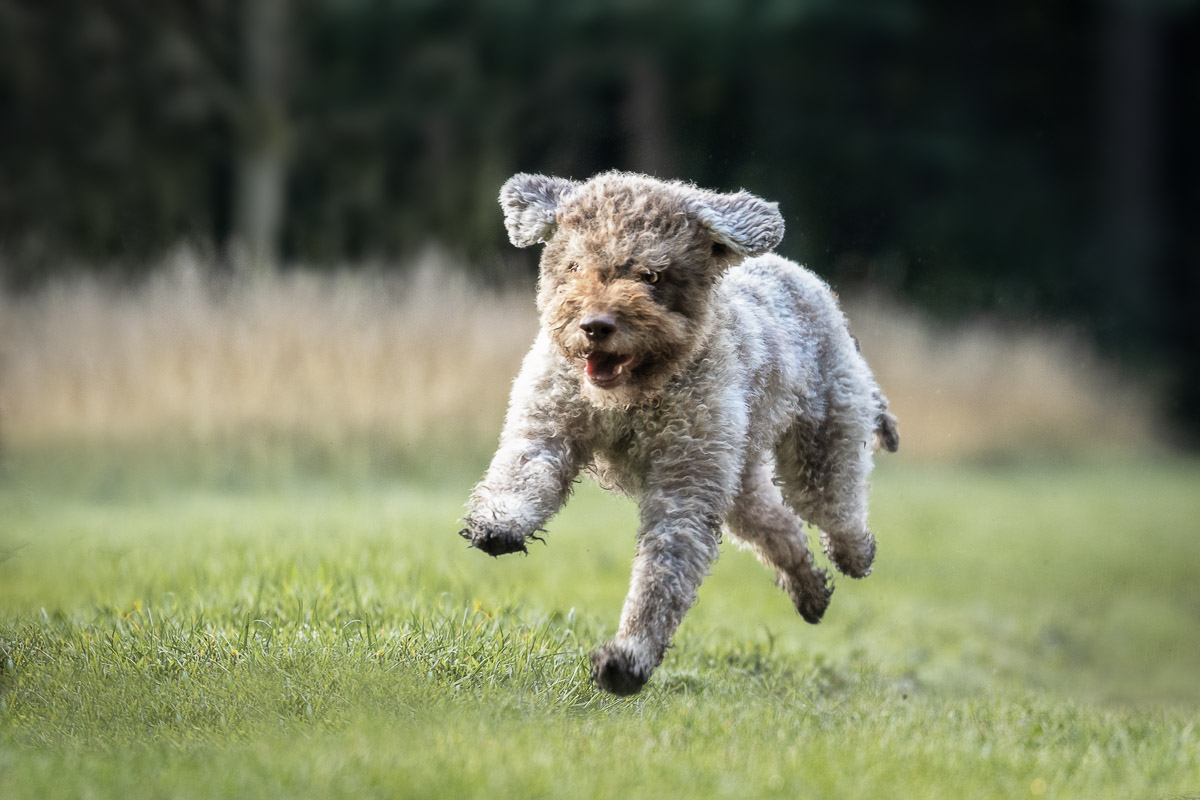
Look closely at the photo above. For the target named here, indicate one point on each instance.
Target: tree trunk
(262, 129)
(1130, 229)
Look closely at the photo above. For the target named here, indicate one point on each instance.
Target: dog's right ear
(530, 204)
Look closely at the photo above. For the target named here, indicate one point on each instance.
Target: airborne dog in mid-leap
(684, 364)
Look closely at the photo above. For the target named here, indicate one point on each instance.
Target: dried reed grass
(990, 390)
(427, 355)
(190, 352)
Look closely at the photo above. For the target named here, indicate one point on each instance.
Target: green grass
(1028, 631)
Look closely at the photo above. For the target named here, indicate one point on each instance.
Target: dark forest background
(1029, 160)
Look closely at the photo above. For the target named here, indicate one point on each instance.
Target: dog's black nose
(598, 327)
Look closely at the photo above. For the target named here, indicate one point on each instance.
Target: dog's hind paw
(852, 555)
(809, 595)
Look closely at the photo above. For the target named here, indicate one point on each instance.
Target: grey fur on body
(683, 364)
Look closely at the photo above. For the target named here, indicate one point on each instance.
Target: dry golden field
(425, 354)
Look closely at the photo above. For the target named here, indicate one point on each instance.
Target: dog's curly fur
(684, 364)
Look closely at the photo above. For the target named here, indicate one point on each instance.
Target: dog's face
(628, 272)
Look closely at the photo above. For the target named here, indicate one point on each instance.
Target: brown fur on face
(634, 255)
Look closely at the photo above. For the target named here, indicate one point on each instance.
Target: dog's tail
(886, 427)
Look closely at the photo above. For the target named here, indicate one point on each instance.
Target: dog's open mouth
(608, 369)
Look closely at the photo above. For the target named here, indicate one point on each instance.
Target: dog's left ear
(530, 204)
(741, 221)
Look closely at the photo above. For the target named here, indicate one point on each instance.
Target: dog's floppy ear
(742, 221)
(530, 203)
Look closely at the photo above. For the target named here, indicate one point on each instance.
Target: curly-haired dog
(685, 365)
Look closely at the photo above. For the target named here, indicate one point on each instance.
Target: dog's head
(629, 267)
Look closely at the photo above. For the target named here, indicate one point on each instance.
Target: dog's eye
(650, 277)
(572, 266)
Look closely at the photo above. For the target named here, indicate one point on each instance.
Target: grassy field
(1029, 631)
(229, 568)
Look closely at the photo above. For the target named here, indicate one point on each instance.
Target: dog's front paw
(616, 672)
(493, 541)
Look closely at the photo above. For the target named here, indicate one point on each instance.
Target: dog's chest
(627, 444)
(622, 445)
(619, 457)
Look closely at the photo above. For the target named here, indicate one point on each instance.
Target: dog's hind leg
(823, 473)
(760, 519)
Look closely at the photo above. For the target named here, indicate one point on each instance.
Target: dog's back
(795, 350)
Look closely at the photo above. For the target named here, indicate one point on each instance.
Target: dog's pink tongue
(605, 367)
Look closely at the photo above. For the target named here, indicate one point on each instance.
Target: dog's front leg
(678, 540)
(533, 470)
(528, 481)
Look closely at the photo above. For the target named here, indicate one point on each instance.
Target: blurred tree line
(1024, 158)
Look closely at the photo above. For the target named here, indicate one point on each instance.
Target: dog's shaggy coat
(682, 363)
